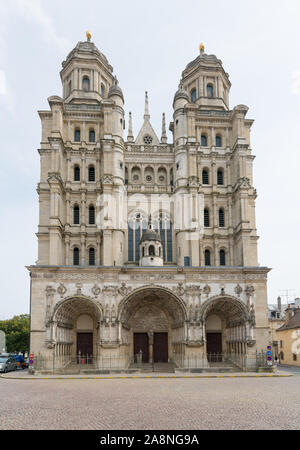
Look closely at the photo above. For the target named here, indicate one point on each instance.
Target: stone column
(150, 334)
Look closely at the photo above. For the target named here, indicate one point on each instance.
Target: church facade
(144, 246)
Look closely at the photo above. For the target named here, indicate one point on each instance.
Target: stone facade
(98, 193)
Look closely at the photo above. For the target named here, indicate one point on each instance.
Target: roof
(87, 47)
(294, 322)
(150, 235)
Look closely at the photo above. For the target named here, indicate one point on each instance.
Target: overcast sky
(149, 43)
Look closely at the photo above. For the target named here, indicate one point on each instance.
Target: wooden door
(214, 346)
(141, 342)
(160, 347)
(85, 344)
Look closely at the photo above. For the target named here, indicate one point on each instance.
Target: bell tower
(86, 74)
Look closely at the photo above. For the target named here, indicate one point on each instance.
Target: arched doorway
(75, 327)
(152, 324)
(226, 326)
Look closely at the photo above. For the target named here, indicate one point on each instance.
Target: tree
(17, 333)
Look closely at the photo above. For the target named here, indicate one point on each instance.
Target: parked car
(7, 363)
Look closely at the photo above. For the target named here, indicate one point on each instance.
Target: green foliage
(17, 333)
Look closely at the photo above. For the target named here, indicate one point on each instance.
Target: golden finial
(201, 47)
(88, 35)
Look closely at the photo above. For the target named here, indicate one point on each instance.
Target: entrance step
(164, 367)
(155, 367)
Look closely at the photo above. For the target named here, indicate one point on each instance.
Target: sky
(149, 44)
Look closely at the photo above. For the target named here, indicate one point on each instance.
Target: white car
(7, 363)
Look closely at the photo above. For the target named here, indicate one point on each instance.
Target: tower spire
(146, 115)
(130, 134)
(163, 130)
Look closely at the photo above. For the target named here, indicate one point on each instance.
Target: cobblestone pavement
(182, 403)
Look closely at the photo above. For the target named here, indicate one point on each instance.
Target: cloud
(32, 10)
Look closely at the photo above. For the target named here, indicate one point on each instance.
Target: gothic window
(222, 258)
(206, 217)
(207, 257)
(86, 84)
(137, 224)
(205, 179)
(151, 250)
(210, 90)
(77, 135)
(220, 179)
(203, 140)
(193, 95)
(91, 256)
(76, 256)
(218, 141)
(221, 218)
(91, 215)
(76, 173)
(126, 175)
(76, 215)
(163, 225)
(91, 173)
(92, 137)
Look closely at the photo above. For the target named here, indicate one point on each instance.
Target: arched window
(220, 177)
(222, 258)
(218, 141)
(205, 179)
(206, 217)
(76, 215)
(171, 177)
(91, 256)
(193, 95)
(102, 90)
(126, 175)
(221, 218)
(92, 136)
(86, 84)
(91, 173)
(207, 257)
(76, 173)
(203, 140)
(91, 215)
(164, 227)
(210, 90)
(151, 250)
(136, 226)
(76, 256)
(77, 135)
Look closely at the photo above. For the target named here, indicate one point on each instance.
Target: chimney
(288, 314)
(279, 303)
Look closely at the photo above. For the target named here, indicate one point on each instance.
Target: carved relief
(124, 290)
(179, 290)
(61, 289)
(206, 290)
(238, 290)
(96, 290)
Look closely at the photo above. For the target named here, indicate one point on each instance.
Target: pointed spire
(163, 130)
(146, 115)
(130, 134)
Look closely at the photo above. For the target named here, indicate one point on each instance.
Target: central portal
(160, 347)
